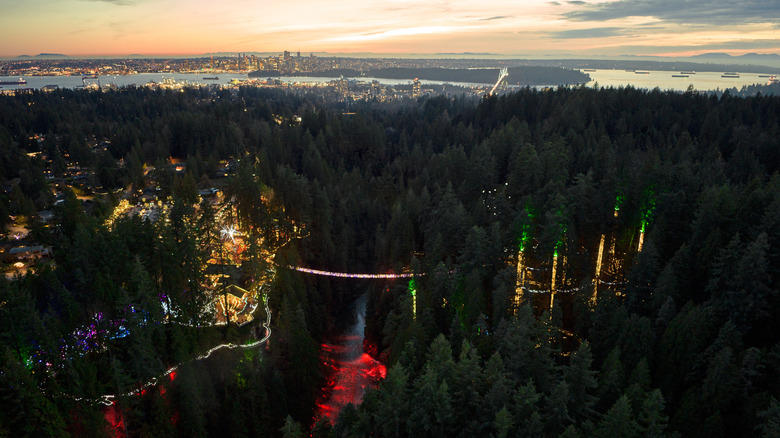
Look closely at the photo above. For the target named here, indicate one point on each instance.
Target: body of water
(75, 82)
(666, 80)
(313, 79)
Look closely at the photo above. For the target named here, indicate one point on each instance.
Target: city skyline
(531, 29)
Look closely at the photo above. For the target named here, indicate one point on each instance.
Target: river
(353, 370)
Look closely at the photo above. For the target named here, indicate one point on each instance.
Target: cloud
(115, 2)
(555, 3)
(576, 2)
(498, 17)
(596, 32)
(397, 33)
(711, 12)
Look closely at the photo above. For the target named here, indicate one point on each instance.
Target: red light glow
(113, 416)
(350, 374)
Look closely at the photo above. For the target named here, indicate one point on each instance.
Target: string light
(347, 275)
(108, 399)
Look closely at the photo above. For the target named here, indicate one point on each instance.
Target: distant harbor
(676, 80)
(20, 81)
(664, 80)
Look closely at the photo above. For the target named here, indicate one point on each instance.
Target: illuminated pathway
(109, 399)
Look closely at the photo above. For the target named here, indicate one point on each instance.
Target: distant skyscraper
(299, 54)
(286, 55)
(416, 87)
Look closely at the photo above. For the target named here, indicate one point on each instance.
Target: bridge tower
(502, 74)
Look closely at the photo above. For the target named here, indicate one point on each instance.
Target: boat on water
(90, 77)
(766, 76)
(20, 81)
(589, 69)
(680, 76)
(730, 75)
(211, 78)
(688, 72)
(641, 72)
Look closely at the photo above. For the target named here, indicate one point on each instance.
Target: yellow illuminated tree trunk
(598, 271)
(520, 280)
(552, 281)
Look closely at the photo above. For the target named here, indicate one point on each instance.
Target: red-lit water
(116, 421)
(352, 370)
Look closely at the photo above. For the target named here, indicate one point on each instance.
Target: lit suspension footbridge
(348, 275)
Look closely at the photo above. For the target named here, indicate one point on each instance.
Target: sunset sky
(531, 28)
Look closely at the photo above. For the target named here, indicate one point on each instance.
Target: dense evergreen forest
(682, 341)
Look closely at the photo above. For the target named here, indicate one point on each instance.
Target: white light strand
(107, 399)
(348, 275)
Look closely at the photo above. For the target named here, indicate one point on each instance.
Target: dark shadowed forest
(587, 262)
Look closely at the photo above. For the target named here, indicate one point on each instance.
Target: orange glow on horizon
(532, 28)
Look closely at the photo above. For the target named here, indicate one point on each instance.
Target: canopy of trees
(685, 343)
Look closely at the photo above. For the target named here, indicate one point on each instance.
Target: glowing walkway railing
(348, 275)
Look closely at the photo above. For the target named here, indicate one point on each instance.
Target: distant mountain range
(770, 59)
(44, 56)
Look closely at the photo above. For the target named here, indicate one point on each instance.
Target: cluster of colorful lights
(108, 399)
(647, 211)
